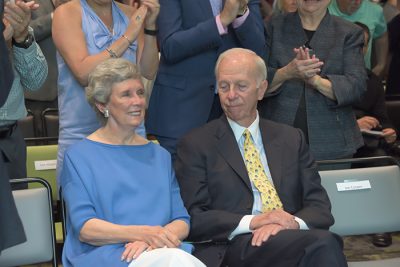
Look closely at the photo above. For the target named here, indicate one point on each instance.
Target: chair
(41, 162)
(35, 210)
(361, 197)
(27, 125)
(50, 120)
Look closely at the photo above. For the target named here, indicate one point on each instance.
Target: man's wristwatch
(25, 43)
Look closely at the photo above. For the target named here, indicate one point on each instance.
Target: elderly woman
(122, 198)
(316, 71)
(86, 33)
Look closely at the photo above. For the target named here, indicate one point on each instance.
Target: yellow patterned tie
(269, 196)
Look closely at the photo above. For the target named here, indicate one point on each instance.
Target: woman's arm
(148, 58)
(99, 232)
(70, 41)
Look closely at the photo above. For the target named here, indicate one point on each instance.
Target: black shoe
(382, 239)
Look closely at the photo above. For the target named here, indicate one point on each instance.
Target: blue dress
(126, 185)
(77, 118)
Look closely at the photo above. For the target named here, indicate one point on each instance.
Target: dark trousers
(11, 229)
(304, 248)
(13, 149)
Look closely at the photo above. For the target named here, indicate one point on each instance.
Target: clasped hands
(270, 223)
(17, 16)
(304, 66)
(231, 10)
(151, 237)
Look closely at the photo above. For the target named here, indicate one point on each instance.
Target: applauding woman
(86, 33)
(316, 72)
(122, 197)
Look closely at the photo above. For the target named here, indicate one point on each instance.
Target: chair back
(41, 161)
(35, 210)
(364, 200)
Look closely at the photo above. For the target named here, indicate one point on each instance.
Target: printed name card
(41, 165)
(353, 185)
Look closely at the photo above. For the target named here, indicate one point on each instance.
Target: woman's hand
(136, 22)
(153, 9)
(134, 249)
(304, 66)
(158, 237)
(19, 16)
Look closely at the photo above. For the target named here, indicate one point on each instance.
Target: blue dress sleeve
(80, 208)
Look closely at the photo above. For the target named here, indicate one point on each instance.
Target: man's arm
(207, 223)
(179, 42)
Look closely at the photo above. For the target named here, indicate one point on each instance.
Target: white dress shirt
(254, 129)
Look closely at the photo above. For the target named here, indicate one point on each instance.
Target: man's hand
(19, 16)
(279, 217)
(263, 233)
(231, 10)
(367, 123)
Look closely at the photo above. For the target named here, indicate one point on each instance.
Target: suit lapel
(229, 149)
(273, 151)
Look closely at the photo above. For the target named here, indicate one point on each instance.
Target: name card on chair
(353, 185)
(41, 165)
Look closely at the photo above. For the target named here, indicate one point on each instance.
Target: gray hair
(103, 78)
(260, 67)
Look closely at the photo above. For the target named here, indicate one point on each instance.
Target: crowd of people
(245, 97)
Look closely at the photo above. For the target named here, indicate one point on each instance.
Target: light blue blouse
(77, 118)
(121, 184)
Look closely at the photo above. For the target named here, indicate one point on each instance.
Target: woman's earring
(106, 113)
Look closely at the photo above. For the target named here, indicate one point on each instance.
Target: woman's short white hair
(104, 76)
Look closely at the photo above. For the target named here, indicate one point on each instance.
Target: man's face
(349, 6)
(239, 88)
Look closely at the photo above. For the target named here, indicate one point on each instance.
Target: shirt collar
(238, 130)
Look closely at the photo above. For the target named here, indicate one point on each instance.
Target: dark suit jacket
(190, 45)
(216, 189)
(332, 128)
(6, 74)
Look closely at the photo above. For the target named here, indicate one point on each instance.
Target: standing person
(87, 32)
(27, 72)
(46, 97)
(250, 185)
(120, 190)
(313, 87)
(192, 34)
(30, 72)
(370, 14)
(8, 237)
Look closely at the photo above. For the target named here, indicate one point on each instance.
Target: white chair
(35, 209)
(364, 200)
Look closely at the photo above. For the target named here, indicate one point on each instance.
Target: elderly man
(251, 185)
(370, 14)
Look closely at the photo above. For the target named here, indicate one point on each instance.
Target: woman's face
(127, 104)
(289, 6)
(312, 6)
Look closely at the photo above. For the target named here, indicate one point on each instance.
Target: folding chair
(35, 210)
(364, 200)
(41, 162)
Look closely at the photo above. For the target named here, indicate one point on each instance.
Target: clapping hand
(19, 16)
